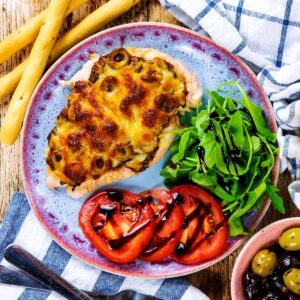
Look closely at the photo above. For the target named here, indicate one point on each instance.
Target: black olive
(287, 260)
(99, 163)
(291, 296)
(276, 281)
(115, 195)
(58, 157)
(252, 291)
(122, 150)
(265, 284)
(251, 277)
(118, 58)
(252, 284)
(272, 295)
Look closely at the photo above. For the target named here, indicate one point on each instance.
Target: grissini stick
(28, 33)
(89, 25)
(33, 71)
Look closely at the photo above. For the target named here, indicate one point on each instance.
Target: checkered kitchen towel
(265, 33)
(21, 226)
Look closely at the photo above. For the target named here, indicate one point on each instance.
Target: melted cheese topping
(114, 119)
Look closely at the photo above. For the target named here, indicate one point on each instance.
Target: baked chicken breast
(112, 125)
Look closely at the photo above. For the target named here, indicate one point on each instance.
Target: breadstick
(33, 71)
(93, 22)
(28, 32)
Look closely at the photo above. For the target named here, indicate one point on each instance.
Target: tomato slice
(118, 224)
(158, 199)
(203, 239)
(161, 248)
(169, 228)
(185, 223)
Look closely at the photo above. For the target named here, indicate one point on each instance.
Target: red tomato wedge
(169, 228)
(118, 224)
(203, 239)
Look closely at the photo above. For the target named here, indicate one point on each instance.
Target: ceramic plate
(212, 65)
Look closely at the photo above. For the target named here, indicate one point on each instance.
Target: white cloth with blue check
(266, 34)
(20, 226)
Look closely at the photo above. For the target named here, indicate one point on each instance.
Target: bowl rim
(236, 276)
(63, 244)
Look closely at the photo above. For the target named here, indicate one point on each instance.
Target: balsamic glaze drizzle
(227, 186)
(139, 201)
(178, 199)
(152, 247)
(107, 210)
(149, 199)
(115, 195)
(181, 247)
(228, 157)
(118, 243)
(212, 127)
(214, 115)
(208, 235)
(244, 110)
(226, 160)
(201, 154)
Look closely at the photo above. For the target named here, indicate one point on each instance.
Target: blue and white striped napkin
(20, 226)
(266, 34)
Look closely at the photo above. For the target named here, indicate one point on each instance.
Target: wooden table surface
(214, 281)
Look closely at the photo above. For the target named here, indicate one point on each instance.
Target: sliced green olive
(96, 71)
(118, 58)
(264, 263)
(290, 239)
(291, 279)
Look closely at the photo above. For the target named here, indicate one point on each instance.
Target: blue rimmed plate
(58, 212)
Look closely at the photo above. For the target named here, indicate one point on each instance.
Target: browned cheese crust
(111, 126)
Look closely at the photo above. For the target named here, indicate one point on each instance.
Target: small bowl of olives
(268, 267)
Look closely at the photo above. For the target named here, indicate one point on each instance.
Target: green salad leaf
(227, 149)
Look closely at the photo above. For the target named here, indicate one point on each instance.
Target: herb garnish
(227, 149)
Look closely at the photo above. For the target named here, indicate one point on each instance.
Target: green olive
(291, 279)
(118, 58)
(290, 239)
(264, 263)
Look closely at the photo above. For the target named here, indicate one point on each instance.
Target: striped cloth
(20, 226)
(266, 34)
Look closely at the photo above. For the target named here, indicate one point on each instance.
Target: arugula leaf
(236, 128)
(256, 143)
(276, 200)
(249, 202)
(205, 180)
(202, 121)
(256, 115)
(210, 149)
(236, 155)
(236, 228)
(185, 141)
(249, 180)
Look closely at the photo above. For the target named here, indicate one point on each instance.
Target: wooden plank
(215, 281)
(13, 14)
